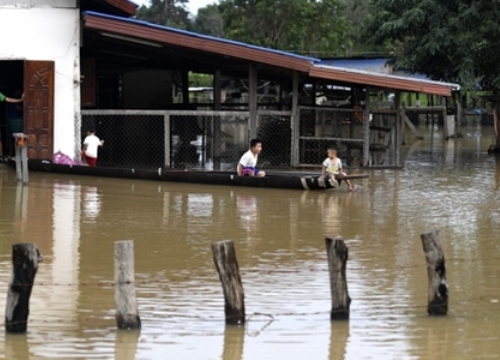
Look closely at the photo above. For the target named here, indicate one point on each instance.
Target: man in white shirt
(90, 146)
(248, 162)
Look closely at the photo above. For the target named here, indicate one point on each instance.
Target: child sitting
(332, 167)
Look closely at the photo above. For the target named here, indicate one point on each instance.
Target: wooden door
(39, 108)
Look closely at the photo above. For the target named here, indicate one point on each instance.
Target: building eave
(165, 35)
(372, 79)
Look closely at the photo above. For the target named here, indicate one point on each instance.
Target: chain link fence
(478, 124)
(211, 140)
(274, 130)
(320, 128)
(130, 140)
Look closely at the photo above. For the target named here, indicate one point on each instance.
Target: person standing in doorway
(11, 101)
(90, 147)
(248, 162)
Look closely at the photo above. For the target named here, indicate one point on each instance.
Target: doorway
(11, 85)
(35, 116)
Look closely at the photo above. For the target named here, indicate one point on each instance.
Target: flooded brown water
(279, 237)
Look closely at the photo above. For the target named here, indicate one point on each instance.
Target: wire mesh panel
(479, 125)
(209, 140)
(320, 128)
(381, 141)
(276, 135)
(129, 140)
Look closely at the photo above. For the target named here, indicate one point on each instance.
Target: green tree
(304, 26)
(357, 14)
(166, 12)
(209, 21)
(451, 40)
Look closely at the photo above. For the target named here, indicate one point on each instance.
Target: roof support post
(397, 123)
(295, 119)
(185, 87)
(217, 131)
(252, 99)
(366, 129)
(217, 90)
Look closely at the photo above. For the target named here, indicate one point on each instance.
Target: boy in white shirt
(332, 167)
(246, 166)
(90, 147)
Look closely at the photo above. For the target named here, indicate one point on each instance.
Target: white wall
(32, 30)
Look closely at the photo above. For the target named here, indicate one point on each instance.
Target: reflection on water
(233, 342)
(279, 239)
(17, 347)
(126, 344)
(246, 205)
(339, 338)
(91, 203)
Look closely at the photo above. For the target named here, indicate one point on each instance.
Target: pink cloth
(63, 159)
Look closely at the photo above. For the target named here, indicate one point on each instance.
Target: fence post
(253, 79)
(25, 259)
(127, 316)
(436, 271)
(166, 127)
(397, 127)
(295, 121)
(366, 129)
(21, 157)
(224, 256)
(337, 253)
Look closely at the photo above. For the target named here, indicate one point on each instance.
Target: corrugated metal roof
(199, 36)
(126, 6)
(313, 67)
(382, 80)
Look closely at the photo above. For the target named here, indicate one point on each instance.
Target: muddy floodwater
(279, 239)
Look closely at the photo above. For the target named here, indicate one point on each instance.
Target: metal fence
(478, 125)
(131, 139)
(187, 139)
(320, 128)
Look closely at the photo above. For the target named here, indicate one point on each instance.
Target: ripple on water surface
(279, 239)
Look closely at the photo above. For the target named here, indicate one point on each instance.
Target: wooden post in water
(337, 253)
(21, 156)
(127, 315)
(436, 271)
(25, 259)
(225, 261)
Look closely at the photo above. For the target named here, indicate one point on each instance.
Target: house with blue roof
(90, 62)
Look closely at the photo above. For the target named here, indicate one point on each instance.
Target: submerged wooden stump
(436, 271)
(25, 259)
(337, 253)
(225, 261)
(127, 315)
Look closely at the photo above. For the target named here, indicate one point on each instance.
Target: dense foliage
(302, 26)
(311, 27)
(166, 12)
(452, 40)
